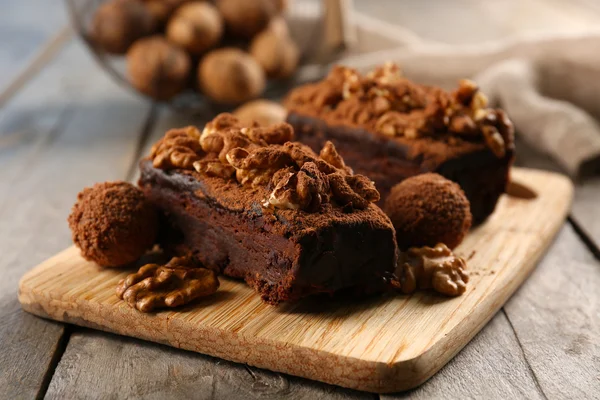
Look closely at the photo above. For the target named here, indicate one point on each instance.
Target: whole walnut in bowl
(264, 112)
(230, 76)
(161, 10)
(276, 52)
(196, 27)
(245, 18)
(158, 68)
(193, 55)
(119, 23)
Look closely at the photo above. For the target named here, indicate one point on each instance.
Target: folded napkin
(549, 85)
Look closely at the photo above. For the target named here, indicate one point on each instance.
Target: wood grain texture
(129, 368)
(491, 367)
(382, 345)
(26, 27)
(556, 317)
(50, 126)
(586, 211)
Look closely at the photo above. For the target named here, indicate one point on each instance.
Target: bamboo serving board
(382, 344)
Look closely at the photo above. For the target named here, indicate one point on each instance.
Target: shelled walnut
(434, 268)
(176, 283)
(179, 148)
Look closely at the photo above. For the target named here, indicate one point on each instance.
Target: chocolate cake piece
(389, 128)
(253, 206)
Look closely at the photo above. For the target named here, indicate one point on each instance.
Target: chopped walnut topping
(306, 189)
(358, 196)
(222, 142)
(179, 148)
(177, 283)
(258, 166)
(388, 73)
(215, 168)
(385, 102)
(352, 85)
(274, 134)
(295, 175)
(222, 122)
(434, 268)
(329, 154)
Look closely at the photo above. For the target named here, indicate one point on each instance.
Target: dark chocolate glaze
(388, 161)
(283, 254)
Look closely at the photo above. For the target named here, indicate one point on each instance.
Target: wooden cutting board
(382, 344)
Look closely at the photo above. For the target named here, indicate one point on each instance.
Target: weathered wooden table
(65, 125)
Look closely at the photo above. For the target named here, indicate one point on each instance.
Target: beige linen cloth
(549, 85)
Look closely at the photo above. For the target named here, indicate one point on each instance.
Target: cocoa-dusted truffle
(158, 68)
(195, 27)
(230, 76)
(428, 209)
(113, 224)
(119, 23)
(245, 18)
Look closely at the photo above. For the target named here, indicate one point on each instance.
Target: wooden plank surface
(117, 367)
(30, 125)
(556, 317)
(27, 32)
(53, 125)
(491, 367)
(411, 336)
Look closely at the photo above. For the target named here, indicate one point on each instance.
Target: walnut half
(179, 148)
(174, 284)
(434, 268)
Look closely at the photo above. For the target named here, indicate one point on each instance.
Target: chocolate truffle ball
(276, 53)
(158, 68)
(264, 112)
(428, 209)
(230, 76)
(113, 224)
(245, 18)
(195, 27)
(119, 23)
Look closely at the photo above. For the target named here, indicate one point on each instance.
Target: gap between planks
(529, 366)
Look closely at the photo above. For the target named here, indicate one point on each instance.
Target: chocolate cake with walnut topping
(390, 128)
(251, 204)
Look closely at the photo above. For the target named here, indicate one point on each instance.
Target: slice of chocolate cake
(389, 128)
(252, 205)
